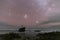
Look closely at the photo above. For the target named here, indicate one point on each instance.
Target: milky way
(24, 12)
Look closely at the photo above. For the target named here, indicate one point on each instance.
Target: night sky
(30, 12)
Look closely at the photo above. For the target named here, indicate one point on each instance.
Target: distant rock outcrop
(21, 29)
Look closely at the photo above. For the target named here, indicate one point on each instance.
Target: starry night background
(30, 13)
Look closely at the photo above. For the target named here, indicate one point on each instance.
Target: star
(25, 16)
(9, 12)
(37, 21)
(49, 9)
(53, 5)
(33, 4)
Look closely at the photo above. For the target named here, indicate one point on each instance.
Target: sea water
(7, 31)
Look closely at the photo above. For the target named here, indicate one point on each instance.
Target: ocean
(7, 31)
(32, 31)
